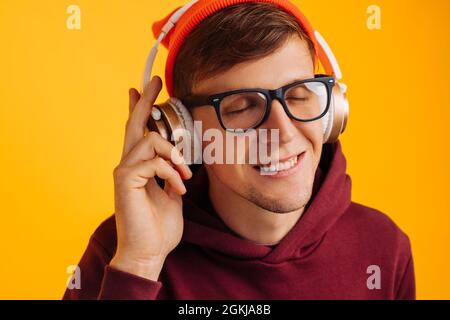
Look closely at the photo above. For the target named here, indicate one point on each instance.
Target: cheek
(205, 120)
(313, 133)
(231, 176)
(206, 115)
(215, 145)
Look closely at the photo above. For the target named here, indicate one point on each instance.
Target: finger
(137, 121)
(142, 172)
(171, 192)
(154, 145)
(144, 106)
(134, 97)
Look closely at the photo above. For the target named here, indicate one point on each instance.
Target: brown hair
(236, 34)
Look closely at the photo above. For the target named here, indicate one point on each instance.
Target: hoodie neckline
(330, 198)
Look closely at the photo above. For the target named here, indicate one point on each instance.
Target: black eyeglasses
(241, 110)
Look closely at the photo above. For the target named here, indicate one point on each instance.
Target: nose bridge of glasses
(277, 95)
(274, 112)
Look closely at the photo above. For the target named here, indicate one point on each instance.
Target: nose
(278, 119)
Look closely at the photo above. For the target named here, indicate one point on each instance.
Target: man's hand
(149, 219)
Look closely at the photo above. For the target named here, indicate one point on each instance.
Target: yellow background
(64, 100)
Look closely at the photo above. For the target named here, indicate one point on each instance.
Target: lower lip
(284, 173)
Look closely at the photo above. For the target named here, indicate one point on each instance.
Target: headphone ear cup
(335, 121)
(192, 151)
(174, 123)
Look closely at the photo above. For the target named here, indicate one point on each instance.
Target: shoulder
(371, 226)
(105, 235)
(366, 237)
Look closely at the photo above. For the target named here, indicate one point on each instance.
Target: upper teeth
(286, 165)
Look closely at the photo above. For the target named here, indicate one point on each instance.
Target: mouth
(281, 168)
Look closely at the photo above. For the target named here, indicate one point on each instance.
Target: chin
(280, 204)
(289, 190)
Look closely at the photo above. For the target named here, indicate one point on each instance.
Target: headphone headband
(172, 30)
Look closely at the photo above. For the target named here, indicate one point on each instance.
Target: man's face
(286, 191)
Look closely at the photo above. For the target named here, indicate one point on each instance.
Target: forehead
(289, 63)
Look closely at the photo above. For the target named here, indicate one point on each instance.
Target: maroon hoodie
(337, 250)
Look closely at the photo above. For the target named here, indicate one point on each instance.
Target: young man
(235, 233)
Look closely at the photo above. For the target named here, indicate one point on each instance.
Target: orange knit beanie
(200, 11)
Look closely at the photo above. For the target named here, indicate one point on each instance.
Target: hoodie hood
(330, 198)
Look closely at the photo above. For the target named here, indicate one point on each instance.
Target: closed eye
(298, 98)
(239, 111)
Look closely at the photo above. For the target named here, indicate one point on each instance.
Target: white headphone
(172, 114)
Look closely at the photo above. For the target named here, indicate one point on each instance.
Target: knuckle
(115, 171)
(128, 124)
(160, 162)
(176, 154)
(119, 172)
(152, 136)
(177, 174)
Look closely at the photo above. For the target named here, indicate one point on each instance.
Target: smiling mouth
(280, 166)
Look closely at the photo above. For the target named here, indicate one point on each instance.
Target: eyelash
(300, 99)
(240, 110)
